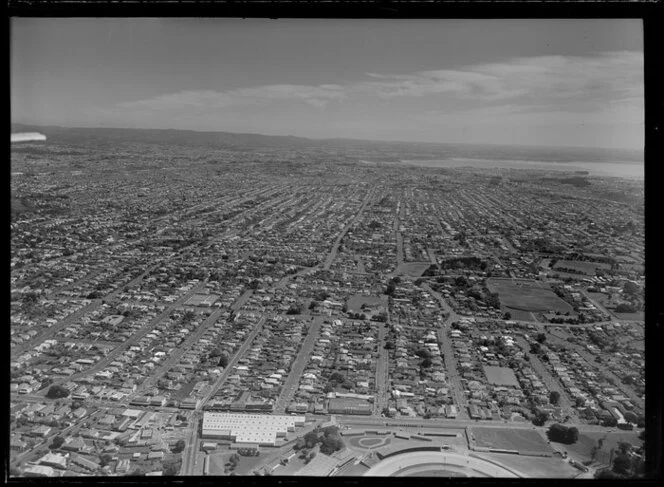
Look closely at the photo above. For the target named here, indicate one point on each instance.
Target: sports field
(581, 267)
(524, 441)
(527, 295)
(439, 464)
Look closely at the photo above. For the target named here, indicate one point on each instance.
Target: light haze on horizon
(574, 83)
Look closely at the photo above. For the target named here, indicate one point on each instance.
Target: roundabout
(370, 442)
(437, 464)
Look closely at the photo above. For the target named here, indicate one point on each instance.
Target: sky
(576, 83)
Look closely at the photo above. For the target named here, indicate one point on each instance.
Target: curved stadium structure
(408, 463)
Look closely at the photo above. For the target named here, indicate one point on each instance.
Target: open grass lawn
(527, 295)
(357, 300)
(247, 465)
(587, 268)
(536, 467)
(638, 316)
(511, 439)
(582, 449)
(354, 471)
(292, 467)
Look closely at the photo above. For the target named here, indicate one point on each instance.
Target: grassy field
(356, 301)
(511, 439)
(527, 296)
(533, 467)
(582, 449)
(587, 268)
(517, 314)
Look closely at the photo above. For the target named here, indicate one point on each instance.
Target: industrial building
(256, 429)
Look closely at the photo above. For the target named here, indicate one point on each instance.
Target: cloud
(27, 137)
(608, 75)
(537, 84)
(318, 96)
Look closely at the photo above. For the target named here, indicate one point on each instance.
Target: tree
(105, 459)
(630, 288)
(507, 315)
(426, 363)
(223, 360)
(572, 435)
(535, 348)
(423, 353)
(554, 397)
(179, 446)
(57, 392)
(622, 464)
(311, 439)
(299, 443)
(605, 473)
(58, 441)
(625, 308)
(540, 418)
(541, 337)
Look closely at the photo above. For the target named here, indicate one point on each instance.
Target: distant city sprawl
(321, 309)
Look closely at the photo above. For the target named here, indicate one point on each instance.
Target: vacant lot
(527, 296)
(511, 439)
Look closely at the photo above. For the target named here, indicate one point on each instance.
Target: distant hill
(391, 150)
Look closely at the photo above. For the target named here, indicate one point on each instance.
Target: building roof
(249, 428)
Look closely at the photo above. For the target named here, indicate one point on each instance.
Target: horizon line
(631, 149)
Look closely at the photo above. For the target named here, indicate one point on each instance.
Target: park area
(526, 442)
(584, 447)
(527, 296)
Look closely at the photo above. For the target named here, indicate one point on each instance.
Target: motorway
(291, 384)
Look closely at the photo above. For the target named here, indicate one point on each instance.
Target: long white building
(253, 429)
